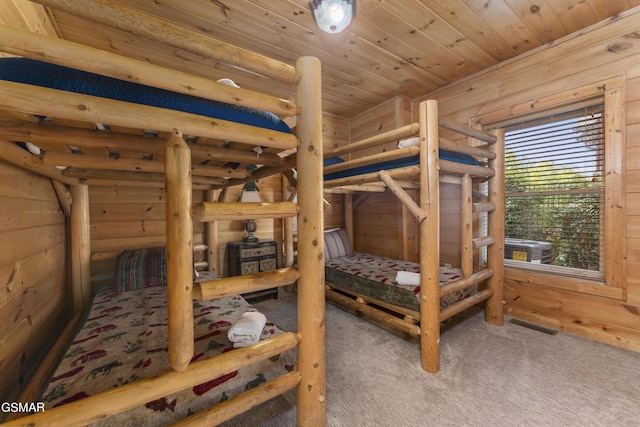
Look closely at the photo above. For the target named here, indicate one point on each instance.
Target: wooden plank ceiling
(392, 47)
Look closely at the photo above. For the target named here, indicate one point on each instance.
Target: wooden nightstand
(250, 258)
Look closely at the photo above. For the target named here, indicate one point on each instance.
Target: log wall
(33, 275)
(605, 51)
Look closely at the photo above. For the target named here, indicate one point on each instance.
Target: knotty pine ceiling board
(392, 48)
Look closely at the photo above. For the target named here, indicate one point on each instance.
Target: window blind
(554, 186)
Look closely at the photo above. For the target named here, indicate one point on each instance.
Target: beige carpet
(490, 376)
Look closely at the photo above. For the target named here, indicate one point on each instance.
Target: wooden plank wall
(33, 275)
(34, 287)
(606, 50)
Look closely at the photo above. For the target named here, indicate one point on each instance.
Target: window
(554, 181)
(565, 215)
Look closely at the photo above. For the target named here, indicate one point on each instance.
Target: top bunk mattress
(38, 73)
(448, 155)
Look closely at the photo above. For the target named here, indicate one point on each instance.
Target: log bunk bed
(56, 119)
(465, 158)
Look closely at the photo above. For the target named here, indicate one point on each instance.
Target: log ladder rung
(483, 241)
(211, 211)
(234, 285)
(483, 207)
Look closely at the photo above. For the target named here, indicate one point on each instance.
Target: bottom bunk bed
(123, 339)
(385, 288)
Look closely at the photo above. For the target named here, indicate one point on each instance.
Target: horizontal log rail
(447, 166)
(457, 285)
(128, 396)
(468, 131)
(74, 106)
(382, 138)
(460, 306)
(409, 172)
(88, 161)
(348, 189)
(373, 158)
(150, 27)
(236, 405)
(401, 311)
(234, 285)
(141, 179)
(20, 131)
(373, 312)
(210, 211)
(73, 55)
(465, 149)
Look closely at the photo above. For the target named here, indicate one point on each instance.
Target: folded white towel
(247, 330)
(408, 278)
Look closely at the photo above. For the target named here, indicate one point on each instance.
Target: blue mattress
(451, 156)
(30, 71)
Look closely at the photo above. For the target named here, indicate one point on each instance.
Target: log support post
(80, 248)
(429, 238)
(179, 251)
(311, 298)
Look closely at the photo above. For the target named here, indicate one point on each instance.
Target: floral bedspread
(375, 276)
(125, 339)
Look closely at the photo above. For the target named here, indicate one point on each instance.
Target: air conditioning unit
(527, 251)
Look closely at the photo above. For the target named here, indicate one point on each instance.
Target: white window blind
(554, 189)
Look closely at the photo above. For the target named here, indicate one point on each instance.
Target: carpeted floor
(490, 376)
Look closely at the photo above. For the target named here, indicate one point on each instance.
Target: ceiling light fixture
(333, 16)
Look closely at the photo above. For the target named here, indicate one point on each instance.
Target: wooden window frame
(612, 91)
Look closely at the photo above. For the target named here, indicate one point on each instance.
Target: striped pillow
(140, 268)
(336, 244)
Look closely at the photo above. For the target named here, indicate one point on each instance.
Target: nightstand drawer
(257, 252)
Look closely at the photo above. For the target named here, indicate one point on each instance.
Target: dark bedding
(451, 156)
(38, 73)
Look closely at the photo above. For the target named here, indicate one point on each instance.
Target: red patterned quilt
(125, 339)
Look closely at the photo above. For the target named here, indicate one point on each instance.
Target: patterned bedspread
(125, 339)
(375, 276)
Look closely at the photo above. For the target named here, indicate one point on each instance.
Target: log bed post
(80, 248)
(311, 299)
(348, 215)
(429, 238)
(179, 251)
(466, 236)
(213, 251)
(495, 254)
